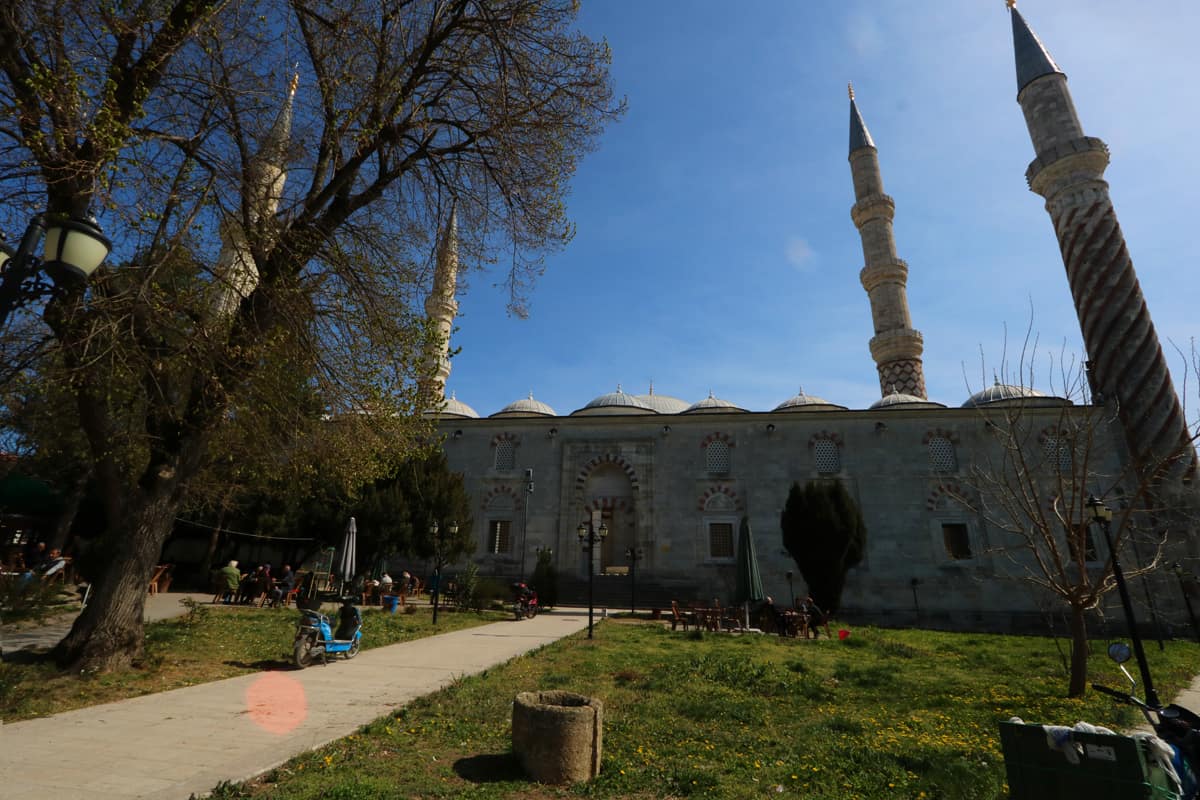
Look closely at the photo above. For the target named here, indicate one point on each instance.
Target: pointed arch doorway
(608, 498)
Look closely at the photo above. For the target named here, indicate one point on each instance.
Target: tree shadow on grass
(262, 665)
(491, 768)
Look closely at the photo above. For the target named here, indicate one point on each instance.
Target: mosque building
(670, 479)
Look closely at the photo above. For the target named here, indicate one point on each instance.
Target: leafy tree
(824, 532)
(545, 578)
(165, 118)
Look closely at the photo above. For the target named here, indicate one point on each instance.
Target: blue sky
(715, 250)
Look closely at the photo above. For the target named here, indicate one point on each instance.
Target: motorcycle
(525, 602)
(1174, 724)
(314, 638)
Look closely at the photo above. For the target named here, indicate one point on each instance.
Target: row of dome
(619, 402)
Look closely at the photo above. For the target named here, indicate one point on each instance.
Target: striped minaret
(896, 346)
(236, 275)
(1127, 367)
(441, 308)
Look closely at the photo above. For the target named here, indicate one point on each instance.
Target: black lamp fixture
(1102, 514)
(74, 248)
(588, 537)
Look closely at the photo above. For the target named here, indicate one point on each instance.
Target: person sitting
(225, 583)
(52, 565)
(771, 618)
(385, 584)
(349, 619)
(816, 617)
(283, 585)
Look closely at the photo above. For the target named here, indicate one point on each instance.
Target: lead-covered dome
(526, 407)
(999, 393)
(615, 403)
(663, 404)
(453, 409)
(897, 400)
(711, 404)
(808, 402)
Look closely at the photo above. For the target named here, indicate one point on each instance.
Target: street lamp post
(634, 554)
(525, 521)
(1178, 569)
(75, 247)
(437, 563)
(1103, 515)
(588, 537)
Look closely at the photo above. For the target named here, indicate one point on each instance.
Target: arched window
(500, 512)
(506, 454)
(941, 454)
(720, 512)
(716, 457)
(827, 458)
(1058, 452)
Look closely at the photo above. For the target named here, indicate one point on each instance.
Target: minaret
(441, 308)
(896, 346)
(236, 273)
(1126, 364)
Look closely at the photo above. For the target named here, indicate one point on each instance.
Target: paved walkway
(158, 606)
(171, 744)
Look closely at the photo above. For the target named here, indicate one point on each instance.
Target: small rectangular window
(720, 540)
(500, 536)
(957, 540)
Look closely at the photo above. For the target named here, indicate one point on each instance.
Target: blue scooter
(314, 638)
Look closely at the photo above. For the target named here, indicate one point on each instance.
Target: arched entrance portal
(608, 497)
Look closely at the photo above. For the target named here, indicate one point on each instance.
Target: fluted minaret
(441, 308)
(896, 346)
(1127, 367)
(236, 274)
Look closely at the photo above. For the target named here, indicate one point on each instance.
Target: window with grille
(506, 454)
(957, 540)
(1082, 536)
(500, 536)
(717, 457)
(720, 540)
(1058, 453)
(941, 454)
(826, 456)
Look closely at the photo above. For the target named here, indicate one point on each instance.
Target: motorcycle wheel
(517, 612)
(303, 654)
(354, 648)
(533, 611)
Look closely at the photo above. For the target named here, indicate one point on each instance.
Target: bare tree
(261, 235)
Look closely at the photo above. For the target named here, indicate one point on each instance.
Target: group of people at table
(804, 619)
(231, 585)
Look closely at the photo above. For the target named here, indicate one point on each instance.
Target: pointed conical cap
(859, 135)
(1032, 59)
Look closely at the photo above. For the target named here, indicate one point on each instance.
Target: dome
(615, 403)
(807, 402)
(711, 405)
(999, 392)
(526, 407)
(453, 409)
(898, 400)
(663, 404)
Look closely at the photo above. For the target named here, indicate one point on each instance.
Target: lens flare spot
(276, 703)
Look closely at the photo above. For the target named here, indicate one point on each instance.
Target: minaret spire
(265, 176)
(441, 308)
(1126, 364)
(896, 345)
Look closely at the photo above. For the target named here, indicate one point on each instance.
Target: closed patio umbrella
(748, 588)
(349, 544)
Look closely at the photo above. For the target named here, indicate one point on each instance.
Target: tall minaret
(896, 346)
(236, 273)
(441, 307)
(1127, 367)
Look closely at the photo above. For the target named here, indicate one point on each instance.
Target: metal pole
(633, 559)
(1139, 653)
(591, 542)
(525, 520)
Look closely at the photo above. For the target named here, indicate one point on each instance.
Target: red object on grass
(843, 634)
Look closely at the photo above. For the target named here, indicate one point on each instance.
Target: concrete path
(169, 745)
(158, 606)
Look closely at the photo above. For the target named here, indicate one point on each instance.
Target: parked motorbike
(1174, 724)
(525, 602)
(314, 639)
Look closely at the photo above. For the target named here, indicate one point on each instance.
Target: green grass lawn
(207, 644)
(886, 713)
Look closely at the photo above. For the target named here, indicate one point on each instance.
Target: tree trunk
(108, 635)
(70, 507)
(1079, 653)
